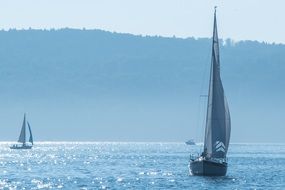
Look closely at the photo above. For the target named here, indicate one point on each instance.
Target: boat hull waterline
(208, 168)
(20, 147)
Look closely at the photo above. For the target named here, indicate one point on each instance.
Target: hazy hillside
(91, 82)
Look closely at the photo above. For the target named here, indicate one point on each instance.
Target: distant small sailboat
(213, 161)
(190, 142)
(22, 138)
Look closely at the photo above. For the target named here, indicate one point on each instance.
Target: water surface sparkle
(104, 165)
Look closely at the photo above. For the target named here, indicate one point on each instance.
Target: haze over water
(103, 165)
(106, 73)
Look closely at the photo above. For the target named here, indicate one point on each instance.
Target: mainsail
(22, 137)
(31, 135)
(218, 123)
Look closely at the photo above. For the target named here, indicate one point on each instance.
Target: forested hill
(58, 65)
(96, 61)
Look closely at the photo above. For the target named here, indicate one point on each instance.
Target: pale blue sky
(244, 19)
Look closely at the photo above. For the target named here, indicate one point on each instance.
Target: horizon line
(234, 41)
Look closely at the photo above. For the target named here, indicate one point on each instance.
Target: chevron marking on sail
(219, 146)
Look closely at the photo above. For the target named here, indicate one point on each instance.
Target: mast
(31, 135)
(217, 132)
(22, 137)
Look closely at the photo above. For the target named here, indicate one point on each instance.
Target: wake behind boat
(22, 138)
(213, 161)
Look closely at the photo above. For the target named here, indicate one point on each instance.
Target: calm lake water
(63, 165)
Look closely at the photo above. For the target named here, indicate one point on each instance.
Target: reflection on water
(94, 165)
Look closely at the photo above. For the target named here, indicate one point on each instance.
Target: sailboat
(213, 160)
(22, 138)
(190, 142)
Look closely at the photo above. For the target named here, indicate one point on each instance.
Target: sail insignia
(219, 146)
